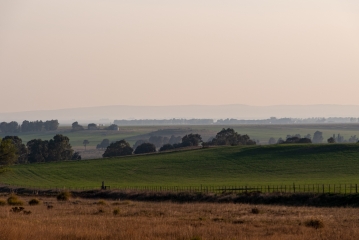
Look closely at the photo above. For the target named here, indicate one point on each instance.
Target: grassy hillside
(273, 164)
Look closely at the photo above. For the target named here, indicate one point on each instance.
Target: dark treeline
(13, 150)
(317, 138)
(232, 121)
(27, 126)
(224, 137)
(164, 122)
(274, 120)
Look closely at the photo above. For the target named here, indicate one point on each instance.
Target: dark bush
(34, 201)
(63, 196)
(119, 148)
(145, 148)
(166, 147)
(314, 223)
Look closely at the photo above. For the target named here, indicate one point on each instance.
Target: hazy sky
(62, 54)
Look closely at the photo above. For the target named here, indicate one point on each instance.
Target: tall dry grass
(85, 219)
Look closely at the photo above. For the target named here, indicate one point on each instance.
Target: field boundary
(246, 189)
(256, 198)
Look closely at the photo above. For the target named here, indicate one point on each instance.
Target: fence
(292, 188)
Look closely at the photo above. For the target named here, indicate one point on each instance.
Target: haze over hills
(238, 111)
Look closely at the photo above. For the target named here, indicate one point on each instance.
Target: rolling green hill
(272, 164)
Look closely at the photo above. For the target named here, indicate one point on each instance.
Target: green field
(255, 165)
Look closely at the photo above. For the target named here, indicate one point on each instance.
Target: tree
(112, 127)
(59, 148)
(138, 143)
(272, 141)
(104, 144)
(8, 151)
(21, 149)
(37, 150)
(119, 148)
(51, 125)
(191, 140)
(77, 127)
(92, 126)
(331, 140)
(11, 127)
(230, 137)
(76, 156)
(85, 142)
(145, 148)
(166, 147)
(280, 141)
(318, 137)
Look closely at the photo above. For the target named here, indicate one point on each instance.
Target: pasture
(101, 219)
(219, 166)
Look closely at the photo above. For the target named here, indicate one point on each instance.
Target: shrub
(14, 200)
(314, 223)
(64, 196)
(34, 201)
(116, 211)
(145, 148)
(101, 202)
(255, 210)
(2, 202)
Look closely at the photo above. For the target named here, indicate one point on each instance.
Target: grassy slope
(275, 164)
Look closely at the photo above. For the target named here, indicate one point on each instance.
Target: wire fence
(288, 188)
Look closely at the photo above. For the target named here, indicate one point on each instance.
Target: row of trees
(317, 138)
(92, 126)
(224, 137)
(28, 126)
(13, 150)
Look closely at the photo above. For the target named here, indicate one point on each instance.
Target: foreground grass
(257, 165)
(88, 219)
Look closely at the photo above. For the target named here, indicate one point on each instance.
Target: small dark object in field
(238, 222)
(116, 211)
(27, 212)
(255, 210)
(34, 201)
(64, 196)
(101, 210)
(314, 223)
(50, 207)
(16, 209)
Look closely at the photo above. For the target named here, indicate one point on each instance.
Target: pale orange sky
(66, 54)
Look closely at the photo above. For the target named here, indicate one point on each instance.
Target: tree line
(224, 137)
(91, 126)
(14, 151)
(28, 126)
(317, 138)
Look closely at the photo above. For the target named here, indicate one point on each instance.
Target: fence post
(294, 187)
(323, 188)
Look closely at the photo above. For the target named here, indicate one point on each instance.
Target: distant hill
(107, 114)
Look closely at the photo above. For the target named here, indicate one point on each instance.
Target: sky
(68, 54)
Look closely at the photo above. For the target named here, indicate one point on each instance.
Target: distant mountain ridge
(109, 113)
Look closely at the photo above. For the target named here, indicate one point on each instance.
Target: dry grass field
(100, 219)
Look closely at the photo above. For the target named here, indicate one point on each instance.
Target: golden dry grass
(85, 219)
